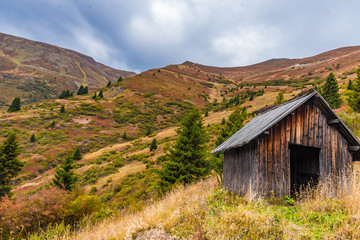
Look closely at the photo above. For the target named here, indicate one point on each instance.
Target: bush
(32, 212)
(82, 206)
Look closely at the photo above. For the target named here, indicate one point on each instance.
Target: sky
(138, 35)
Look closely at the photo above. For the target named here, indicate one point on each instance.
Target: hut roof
(265, 120)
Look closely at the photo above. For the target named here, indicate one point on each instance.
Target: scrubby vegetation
(206, 211)
(93, 162)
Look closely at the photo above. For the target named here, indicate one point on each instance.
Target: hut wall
(306, 126)
(241, 169)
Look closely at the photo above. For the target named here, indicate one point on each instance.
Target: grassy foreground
(206, 211)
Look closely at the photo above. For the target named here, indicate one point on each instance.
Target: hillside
(117, 169)
(36, 71)
(339, 61)
(150, 105)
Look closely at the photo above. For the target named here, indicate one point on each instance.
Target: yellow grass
(205, 211)
(131, 168)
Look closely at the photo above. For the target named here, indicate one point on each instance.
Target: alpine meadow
(92, 152)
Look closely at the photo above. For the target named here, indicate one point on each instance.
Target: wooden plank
(311, 125)
(238, 183)
(287, 156)
(283, 149)
(260, 165)
(333, 156)
(293, 127)
(276, 159)
(254, 168)
(270, 159)
(266, 167)
(305, 129)
(299, 120)
(316, 126)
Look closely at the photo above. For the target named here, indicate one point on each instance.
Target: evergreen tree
(108, 84)
(187, 159)
(235, 122)
(65, 94)
(86, 90)
(279, 98)
(52, 124)
(15, 105)
(10, 166)
(77, 154)
(62, 109)
(250, 98)
(101, 94)
(62, 95)
(94, 97)
(349, 87)
(81, 90)
(206, 114)
(124, 136)
(33, 138)
(223, 121)
(153, 145)
(64, 175)
(148, 131)
(330, 91)
(120, 79)
(354, 95)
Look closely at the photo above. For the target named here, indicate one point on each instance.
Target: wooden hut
(300, 142)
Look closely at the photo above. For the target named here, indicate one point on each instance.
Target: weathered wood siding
(241, 169)
(264, 164)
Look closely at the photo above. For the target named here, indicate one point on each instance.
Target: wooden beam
(354, 148)
(333, 121)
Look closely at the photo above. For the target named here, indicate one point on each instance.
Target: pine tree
(223, 121)
(10, 166)
(52, 124)
(15, 105)
(81, 90)
(148, 131)
(124, 136)
(187, 159)
(330, 92)
(279, 98)
(62, 109)
(86, 90)
(108, 84)
(77, 154)
(101, 94)
(153, 145)
(64, 175)
(62, 95)
(120, 79)
(33, 138)
(354, 95)
(349, 87)
(94, 97)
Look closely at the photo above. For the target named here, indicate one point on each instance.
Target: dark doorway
(304, 167)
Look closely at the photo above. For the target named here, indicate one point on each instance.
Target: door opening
(304, 167)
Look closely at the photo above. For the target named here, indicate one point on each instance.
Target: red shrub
(30, 212)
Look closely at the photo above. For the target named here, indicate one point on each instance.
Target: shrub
(32, 212)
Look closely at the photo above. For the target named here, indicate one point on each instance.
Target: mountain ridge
(36, 71)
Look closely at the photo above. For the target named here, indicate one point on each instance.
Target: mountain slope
(340, 61)
(36, 71)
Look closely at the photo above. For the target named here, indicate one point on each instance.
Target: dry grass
(205, 211)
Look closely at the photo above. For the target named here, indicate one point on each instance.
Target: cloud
(163, 25)
(144, 34)
(244, 45)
